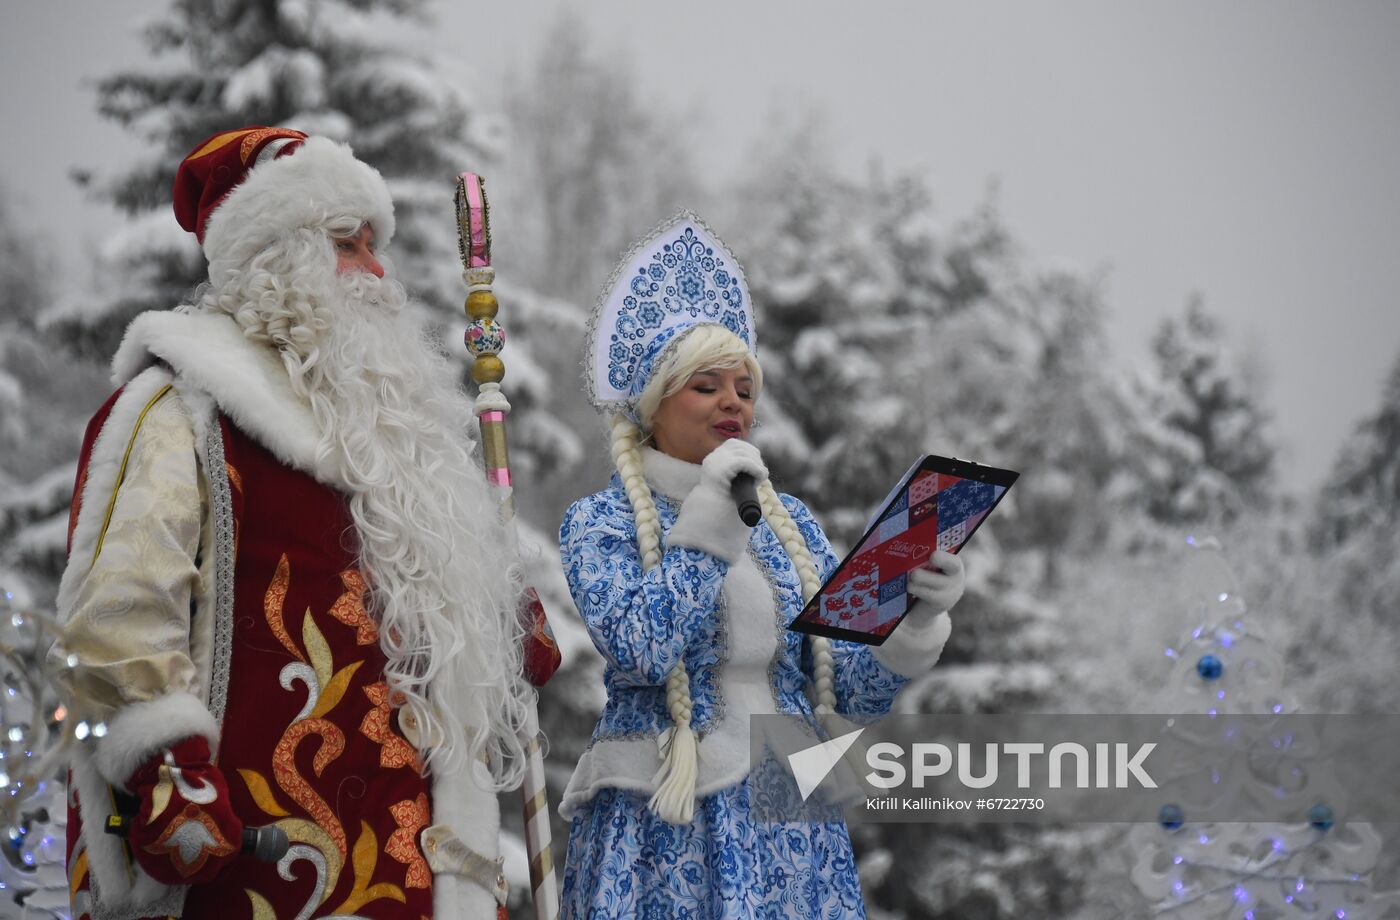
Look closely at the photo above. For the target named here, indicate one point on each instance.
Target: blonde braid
(674, 800)
(777, 517)
(628, 458)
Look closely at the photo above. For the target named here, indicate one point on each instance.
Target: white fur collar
(208, 353)
(671, 477)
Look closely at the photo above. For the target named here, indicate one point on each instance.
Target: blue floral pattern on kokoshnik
(680, 276)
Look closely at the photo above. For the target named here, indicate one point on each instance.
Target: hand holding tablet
(938, 583)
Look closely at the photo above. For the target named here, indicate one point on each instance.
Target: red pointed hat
(240, 190)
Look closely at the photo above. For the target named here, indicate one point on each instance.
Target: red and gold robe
(212, 589)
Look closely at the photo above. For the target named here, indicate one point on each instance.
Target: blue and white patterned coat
(728, 623)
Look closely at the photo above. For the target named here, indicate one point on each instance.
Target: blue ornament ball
(1320, 817)
(1171, 817)
(1210, 667)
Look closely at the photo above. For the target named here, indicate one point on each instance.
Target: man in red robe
(289, 598)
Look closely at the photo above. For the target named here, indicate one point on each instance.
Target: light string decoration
(1318, 867)
(34, 733)
(485, 338)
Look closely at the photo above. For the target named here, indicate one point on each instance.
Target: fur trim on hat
(317, 183)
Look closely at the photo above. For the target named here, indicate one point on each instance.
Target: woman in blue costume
(689, 609)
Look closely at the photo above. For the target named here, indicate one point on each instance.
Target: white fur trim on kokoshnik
(318, 182)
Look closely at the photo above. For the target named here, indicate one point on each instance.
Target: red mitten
(185, 831)
(541, 652)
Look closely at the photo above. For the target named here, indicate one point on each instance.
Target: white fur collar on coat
(208, 353)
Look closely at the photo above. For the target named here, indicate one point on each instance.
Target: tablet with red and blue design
(938, 504)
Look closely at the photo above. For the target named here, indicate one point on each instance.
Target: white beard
(445, 580)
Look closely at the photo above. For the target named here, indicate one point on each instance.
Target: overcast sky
(1245, 150)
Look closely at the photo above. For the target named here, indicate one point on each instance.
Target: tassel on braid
(674, 800)
(777, 517)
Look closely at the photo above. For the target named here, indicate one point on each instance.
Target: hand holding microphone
(179, 821)
(738, 465)
(707, 520)
(268, 843)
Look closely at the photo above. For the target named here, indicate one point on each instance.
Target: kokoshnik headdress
(678, 277)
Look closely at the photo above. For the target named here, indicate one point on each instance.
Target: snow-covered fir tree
(1211, 452)
(1354, 552)
(46, 394)
(1362, 492)
(883, 335)
(346, 69)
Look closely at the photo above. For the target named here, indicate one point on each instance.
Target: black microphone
(745, 492)
(268, 843)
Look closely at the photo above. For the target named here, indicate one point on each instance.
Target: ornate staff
(485, 338)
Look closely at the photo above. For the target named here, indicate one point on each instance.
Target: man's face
(356, 253)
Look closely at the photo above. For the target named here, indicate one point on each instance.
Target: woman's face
(711, 408)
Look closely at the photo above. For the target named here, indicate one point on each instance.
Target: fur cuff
(709, 522)
(468, 815)
(138, 731)
(916, 643)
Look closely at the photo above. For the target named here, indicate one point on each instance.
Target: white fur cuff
(708, 521)
(916, 643)
(138, 731)
(467, 812)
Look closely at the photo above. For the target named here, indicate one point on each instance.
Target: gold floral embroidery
(350, 608)
(395, 751)
(235, 482)
(272, 605)
(364, 859)
(316, 648)
(235, 479)
(262, 793)
(218, 141)
(77, 875)
(300, 830)
(262, 909)
(161, 794)
(335, 689)
(190, 840)
(411, 817)
(292, 783)
(253, 138)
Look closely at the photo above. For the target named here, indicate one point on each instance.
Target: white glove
(708, 519)
(731, 458)
(940, 583)
(919, 640)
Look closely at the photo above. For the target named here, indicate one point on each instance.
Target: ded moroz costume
(689, 609)
(286, 593)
